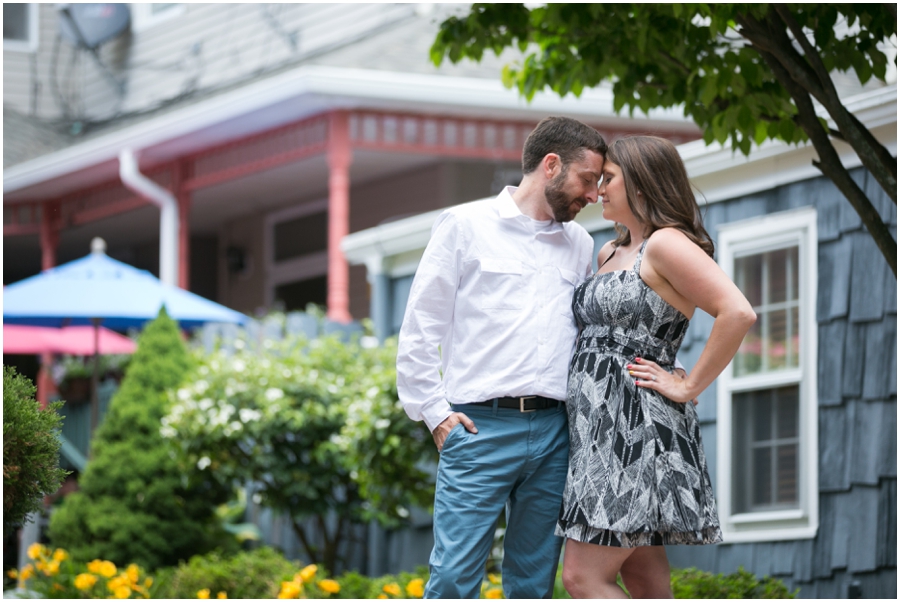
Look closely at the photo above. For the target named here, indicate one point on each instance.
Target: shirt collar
(507, 209)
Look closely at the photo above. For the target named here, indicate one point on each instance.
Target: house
(800, 431)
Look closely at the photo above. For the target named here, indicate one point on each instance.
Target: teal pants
(518, 461)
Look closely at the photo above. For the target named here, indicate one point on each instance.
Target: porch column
(50, 221)
(180, 175)
(339, 159)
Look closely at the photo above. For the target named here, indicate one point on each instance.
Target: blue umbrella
(96, 289)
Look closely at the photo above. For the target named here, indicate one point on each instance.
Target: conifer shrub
(30, 450)
(135, 505)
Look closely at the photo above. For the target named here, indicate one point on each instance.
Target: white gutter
(168, 214)
(323, 88)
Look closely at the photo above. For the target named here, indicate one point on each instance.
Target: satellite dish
(89, 25)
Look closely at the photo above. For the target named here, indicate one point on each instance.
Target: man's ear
(552, 165)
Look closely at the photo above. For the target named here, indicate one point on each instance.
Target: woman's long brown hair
(652, 166)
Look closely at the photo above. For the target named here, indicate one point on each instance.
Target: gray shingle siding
(856, 312)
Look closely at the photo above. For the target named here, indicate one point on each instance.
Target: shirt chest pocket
(568, 281)
(503, 284)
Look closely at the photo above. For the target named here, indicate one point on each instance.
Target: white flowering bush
(316, 425)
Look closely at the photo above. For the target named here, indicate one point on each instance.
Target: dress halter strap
(640, 256)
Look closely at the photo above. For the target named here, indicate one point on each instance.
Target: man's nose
(592, 195)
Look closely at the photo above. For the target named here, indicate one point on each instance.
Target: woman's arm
(694, 277)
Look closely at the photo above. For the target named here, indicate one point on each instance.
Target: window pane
(776, 341)
(762, 476)
(787, 412)
(15, 22)
(794, 258)
(786, 492)
(777, 263)
(301, 236)
(296, 295)
(748, 277)
(761, 415)
(794, 333)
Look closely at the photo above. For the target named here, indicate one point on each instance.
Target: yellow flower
(308, 572)
(203, 594)
(118, 581)
(104, 568)
(85, 581)
(495, 593)
(416, 588)
(133, 572)
(382, 597)
(329, 585)
(122, 592)
(222, 596)
(27, 572)
(51, 568)
(12, 574)
(148, 581)
(494, 578)
(391, 589)
(59, 555)
(289, 590)
(36, 550)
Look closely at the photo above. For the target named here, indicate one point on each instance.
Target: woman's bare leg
(646, 573)
(590, 571)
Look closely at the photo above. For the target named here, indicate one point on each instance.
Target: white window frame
(31, 44)
(747, 237)
(308, 266)
(142, 17)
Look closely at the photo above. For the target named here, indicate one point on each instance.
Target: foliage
(77, 366)
(56, 575)
(249, 574)
(743, 72)
(315, 426)
(694, 583)
(135, 504)
(30, 450)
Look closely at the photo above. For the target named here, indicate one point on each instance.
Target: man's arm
(428, 319)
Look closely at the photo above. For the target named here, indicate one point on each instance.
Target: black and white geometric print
(637, 470)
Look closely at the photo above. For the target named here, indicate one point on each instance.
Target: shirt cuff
(436, 414)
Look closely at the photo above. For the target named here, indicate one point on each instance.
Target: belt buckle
(522, 403)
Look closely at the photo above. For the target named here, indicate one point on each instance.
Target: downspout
(168, 216)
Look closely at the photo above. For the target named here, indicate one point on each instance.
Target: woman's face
(612, 194)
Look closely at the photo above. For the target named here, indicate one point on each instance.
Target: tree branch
(831, 167)
(774, 42)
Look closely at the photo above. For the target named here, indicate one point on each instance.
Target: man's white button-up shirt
(490, 309)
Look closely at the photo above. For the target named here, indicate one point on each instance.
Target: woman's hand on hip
(648, 375)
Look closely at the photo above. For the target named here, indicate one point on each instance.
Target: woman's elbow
(746, 316)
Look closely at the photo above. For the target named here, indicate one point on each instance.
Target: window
(20, 27)
(144, 16)
(297, 255)
(767, 411)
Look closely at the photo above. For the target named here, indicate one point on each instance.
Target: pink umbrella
(71, 340)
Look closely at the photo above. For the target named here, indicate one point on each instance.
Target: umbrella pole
(95, 377)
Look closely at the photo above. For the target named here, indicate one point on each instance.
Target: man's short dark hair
(566, 137)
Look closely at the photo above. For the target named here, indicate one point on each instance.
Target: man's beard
(560, 202)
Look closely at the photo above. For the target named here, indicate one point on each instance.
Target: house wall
(202, 47)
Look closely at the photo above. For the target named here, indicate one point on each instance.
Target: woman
(637, 472)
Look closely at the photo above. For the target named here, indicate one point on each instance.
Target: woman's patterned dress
(637, 471)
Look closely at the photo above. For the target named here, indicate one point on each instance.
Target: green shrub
(135, 503)
(694, 583)
(30, 450)
(254, 574)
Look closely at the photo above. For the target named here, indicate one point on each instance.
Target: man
(483, 360)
